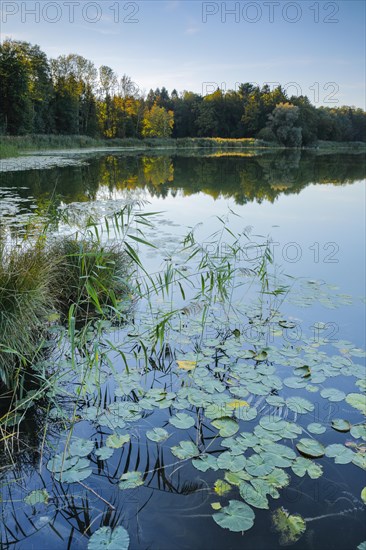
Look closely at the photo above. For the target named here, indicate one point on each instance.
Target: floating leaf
(358, 401)
(205, 462)
(289, 527)
(157, 434)
(185, 449)
(106, 538)
(362, 546)
(237, 516)
(316, 428)
(359, 459)
(80, 471)
(237, 403)
(130, 480)
(103, 453)
(226, 426)
(341, 425)
(81, 447)
(40, 496)
(221, 487)
(302, 465)
(187, 365)
(253, 497)
(363, 494)
(332, 394)
(216, 505)
(116, 441)
(310, 447)
(259, 465)
(299, 405)
(359, 431)
(235, 478)
(182, 421)
(340, 453)
(233, 463)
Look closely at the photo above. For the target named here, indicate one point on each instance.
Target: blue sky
(193, 45)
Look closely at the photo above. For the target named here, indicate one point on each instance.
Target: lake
(257, 381)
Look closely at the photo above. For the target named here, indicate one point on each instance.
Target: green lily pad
(341, 425)
(299, 405)
(81, 447)
(205, 462)
(359, 459)
(237, 516)
(182, 421)
(316, 428)
(359, 431)
(340, 453)
(157, 434)
(130, 480)
(310, 447)
(259, 465)
(233, 463)
(332, 394)
(226, 426)
(363, 495)
(103, 453)
(302, 465)
(253, 497)
(289, 527)
(40, 496)
(185, 450)
(106, 538)
(116, 441)
(358, 401)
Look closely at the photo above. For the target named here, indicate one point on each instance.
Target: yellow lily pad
(187, 365)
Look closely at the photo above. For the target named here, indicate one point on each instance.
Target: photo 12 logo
(70, 12)
(270, 12)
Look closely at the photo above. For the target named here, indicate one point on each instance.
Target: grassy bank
(13, 146)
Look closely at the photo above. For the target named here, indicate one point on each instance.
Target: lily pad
(340, 453)
(103, 453)
(226, 426)
(106, 538)
(316, 428)
(157, 434)
(182, 421)
(299, 405)
(40, 496)
(221, 487)
(358, 401)
(363, 495)
(341, 425)
(185, 450)
(237, 516)
(130, 480)
(116, 441)
(81, 447)
(310, 447)
(332, 394)
(289, 527)
(253, 497)
(233, 463)
(302, 465)
(205, 462)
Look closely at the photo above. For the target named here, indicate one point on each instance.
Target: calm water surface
(312, 207)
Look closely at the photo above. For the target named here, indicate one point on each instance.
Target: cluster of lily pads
(262, 434)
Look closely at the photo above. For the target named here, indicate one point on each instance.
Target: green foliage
(69, 95)
(290, 527)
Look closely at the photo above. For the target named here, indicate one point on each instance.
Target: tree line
(70, 96)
